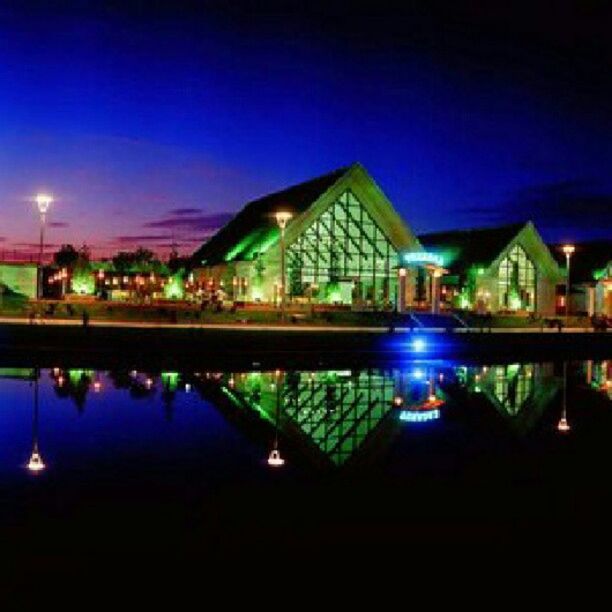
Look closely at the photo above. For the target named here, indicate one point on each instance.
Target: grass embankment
(185, 313)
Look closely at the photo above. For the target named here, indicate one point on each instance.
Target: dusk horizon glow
(152, 127)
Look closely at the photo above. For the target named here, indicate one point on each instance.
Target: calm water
(179, 461)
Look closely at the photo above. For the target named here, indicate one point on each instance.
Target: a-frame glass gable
(343, 257)
(517, 281)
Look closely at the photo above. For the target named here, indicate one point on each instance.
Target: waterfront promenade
(292, 327)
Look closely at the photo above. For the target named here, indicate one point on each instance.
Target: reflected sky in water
(225, 425)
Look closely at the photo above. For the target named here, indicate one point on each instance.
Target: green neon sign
(422, 257)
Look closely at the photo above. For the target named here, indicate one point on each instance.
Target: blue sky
(129, 112)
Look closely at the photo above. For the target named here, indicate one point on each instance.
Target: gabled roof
(254, 228)
(588, 258)
(462, 249)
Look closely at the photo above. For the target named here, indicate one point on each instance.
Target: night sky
(153, 122)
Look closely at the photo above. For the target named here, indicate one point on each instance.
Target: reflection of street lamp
(282, 218)
(43, 202)
(568, 249)
(274, 458)
(563, 426)
(36, 463)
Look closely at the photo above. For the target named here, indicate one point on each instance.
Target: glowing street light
(274, 458)
(568, 249)
(563, 426)
(282, 218)
(36, 463)
(43, 202)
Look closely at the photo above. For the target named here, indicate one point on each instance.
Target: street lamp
(282, 218)
(274, 458)
(568, 249)
(36, 463)
(563, 426)
(43, 201)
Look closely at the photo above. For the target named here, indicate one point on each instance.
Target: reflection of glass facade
(337, 411)
(513, 385)
(342, 256)
(517, 281)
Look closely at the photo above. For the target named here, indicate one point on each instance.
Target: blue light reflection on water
(114, 426)
(153, 422)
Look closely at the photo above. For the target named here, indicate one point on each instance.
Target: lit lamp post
(568, 249)
(36, 463)
(563, 426)
(282, 218)
(43, 202)
(401, 301)
(436, 272)
(274, 458)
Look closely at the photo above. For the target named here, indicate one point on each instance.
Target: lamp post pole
(283, 273)
(563, 426)
(43, 202)
(282, 219)
(274, 458)
(36, 463)
(568, 249)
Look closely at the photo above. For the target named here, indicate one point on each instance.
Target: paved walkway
(287, 328)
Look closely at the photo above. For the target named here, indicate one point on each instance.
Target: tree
(140, 260)
(174, 289)
(66, 257)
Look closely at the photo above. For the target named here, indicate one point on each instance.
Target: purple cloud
(140, 238)
(59, 224)
(178, 212)
(201, 223)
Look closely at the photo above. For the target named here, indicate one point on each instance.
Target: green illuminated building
(502, 269)
(19, 279)
(342, 245)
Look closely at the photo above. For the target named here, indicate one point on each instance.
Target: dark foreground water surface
(115, 465)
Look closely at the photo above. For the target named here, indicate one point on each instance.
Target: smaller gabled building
(501, 269)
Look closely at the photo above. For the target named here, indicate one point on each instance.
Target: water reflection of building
(338, 410)
(73, 384)
(599, 375)
(330, 413)
(520, 392)
(18, 373)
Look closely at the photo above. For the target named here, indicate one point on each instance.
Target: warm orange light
(568, 249)
(43, 201)
(563, 426)
(398, 400)
(282, 218)
(275, 459)
(97, 386)
(36, 464)
(402, 272)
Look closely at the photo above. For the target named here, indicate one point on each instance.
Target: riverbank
(312, 317)
(209, 346)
